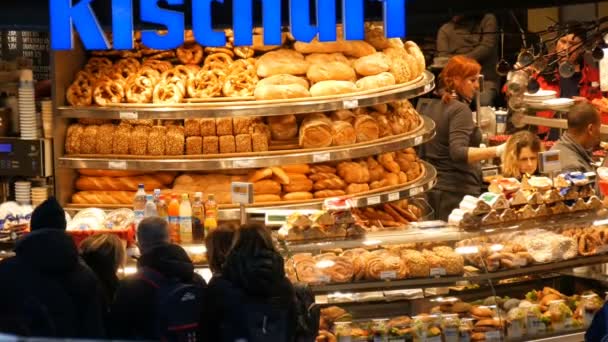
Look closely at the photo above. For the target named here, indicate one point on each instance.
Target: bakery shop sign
(67, 17)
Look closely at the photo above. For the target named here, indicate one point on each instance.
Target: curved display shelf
(251, 108)
(552, 122)
(420, 136)
(443, 281)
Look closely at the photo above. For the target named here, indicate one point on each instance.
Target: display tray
(424, 84)
(424, 182)
(423, 133)
(449, 280)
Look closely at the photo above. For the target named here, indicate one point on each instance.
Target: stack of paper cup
(23, 192)
(47, 118)
(39, 195)
(27, 106)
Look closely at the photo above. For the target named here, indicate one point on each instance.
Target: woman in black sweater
(455, 151)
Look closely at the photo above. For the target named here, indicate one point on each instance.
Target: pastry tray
(424, 182)
(423, 133)
(424, 84)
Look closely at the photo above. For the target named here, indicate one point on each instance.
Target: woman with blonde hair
(521, 155)
(455, 151)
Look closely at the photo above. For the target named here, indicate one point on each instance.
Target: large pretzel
(179, 76)
(127, 67)
(190, 53)
(206, 83)
(217, 60)
(241, 80)
(98, 66)
(140, 87)
(80, 92)
(244, 51)
(166, 92)
(160, 66)
(108, 91)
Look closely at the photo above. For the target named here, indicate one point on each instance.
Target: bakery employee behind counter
(454, 151)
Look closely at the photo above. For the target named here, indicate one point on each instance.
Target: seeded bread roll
(208, 127)
(89, 139)
(242, 125)
(243, 143)
(157, 141)
(192, 127)
(194, 145)
(227, 144)
(223, 126)
(259, 142)
(122, 138)
(174, 141)
(211, 145)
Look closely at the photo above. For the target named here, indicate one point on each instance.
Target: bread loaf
(89, 139)
(338, 71)
(227, 144)
(223, 126)
(372, 64)
(259, 142)
(105, 139)
(366, 128)
(283, 127)
(298, 196)
(343, 115)
(383, 79)
(138, 144)
(118, 183)
(322, 58)
(281, 61)
(266, 186)
(243, 143)
(241, 125)
(333, 183)
(194, 145)
(283, 79)
(73, 139)
(174, 141)
(157, 141)
(103, 197)
(207, 127)
(211, 145)
(328, 88)
(122, 138)
(343, 133)
(280, 91)
(316, 133)
(296, 169)
(298, 183)
(192, 127)
(265, 198)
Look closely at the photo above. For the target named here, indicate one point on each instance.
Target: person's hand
(500, 150)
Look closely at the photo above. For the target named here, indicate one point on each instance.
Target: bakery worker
(583, 135)
(521, 155)
(475, 37)
(46, 289)
(454, 151)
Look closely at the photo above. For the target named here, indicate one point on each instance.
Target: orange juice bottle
(173, 213)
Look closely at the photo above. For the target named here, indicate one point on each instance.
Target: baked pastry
(157, 140)
(298, 183)
(192, 127)
(338, 71)
(353, 172)
(223, 126)
(194, 145)
(283, 127)
(367, 128)
(80, 92)
(383, 79)
(227, 144)
(211, 145)
(341, 271)
(284, 79)
(280, 91)
(343, 133)
(207, 127)
(281, 61)
(372, 64)
(416, 263)
(356, 188)
(174, 141)
(241, 79)
(243, 143)
(343, 115)
(328, 88)
(316, 132)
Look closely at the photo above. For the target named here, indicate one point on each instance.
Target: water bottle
(156, 196)
(150, 210)
(139, 204)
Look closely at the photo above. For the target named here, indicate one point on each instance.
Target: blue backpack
(178, 307)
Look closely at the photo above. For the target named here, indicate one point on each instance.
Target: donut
(108, 91)
(190, 53)
(167, 93)
(80, 92)
(206, 83)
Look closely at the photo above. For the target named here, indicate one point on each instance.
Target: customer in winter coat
(134, 313)
(218, 243)
(252, 299)
(46, 290)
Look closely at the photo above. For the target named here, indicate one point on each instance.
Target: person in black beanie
(47, 291)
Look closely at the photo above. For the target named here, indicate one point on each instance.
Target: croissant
(388, 161)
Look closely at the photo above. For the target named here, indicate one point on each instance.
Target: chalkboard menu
(27, 45)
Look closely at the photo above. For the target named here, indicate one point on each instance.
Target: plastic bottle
(185, 220)
(139, 204)
(150, 209)
(162, 208)
(156, 195)
(210, 214)
(198, 218)
(173, 214)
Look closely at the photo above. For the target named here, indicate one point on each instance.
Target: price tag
(418, 140)
(243, 164)
(493, 335)
(117, 165)
(438, 272)
(373, 200)
(128, 115)
(350, 104)
(324, 279)
(387, 275)
(242, 193)
(549, 162)
(415, 191)
(320, 157)
(394, 196)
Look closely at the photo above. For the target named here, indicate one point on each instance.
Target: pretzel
(193, 68)
(159, 54)
(190, 53)
(242, 79)
(140, 87)
(104, 62)
(160, 66)
(108, 91)
(127, 67)
(217, 60)
(206, 83)
(189, 36)
(244, 51)
(98, 66)
(224, 50)
(167, 92)
(179, 76)
(80, 92)
(588, 244)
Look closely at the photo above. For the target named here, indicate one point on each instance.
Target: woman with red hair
(455, 151)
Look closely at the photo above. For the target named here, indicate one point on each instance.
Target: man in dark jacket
(46, 290)
(134, 311)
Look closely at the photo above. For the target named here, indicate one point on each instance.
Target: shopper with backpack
(251, 299)
(164, 299)
(46, 290)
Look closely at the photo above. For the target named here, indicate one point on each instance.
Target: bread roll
(192, 127)
(207, 126)
(243, 143)
(103, 197)
(296, 169)
(414, 50)
(316, 133)
(74, 138)
(375, 36)
(329, 193)
(383, 125)
(358, 48)
(343, 133)
(381, 80)
(174, 141)
(298, 196)
(227, 144)
(281, 61)
(266, 186)
(322, 58)
(338, 71)
(138, 144)
(157, 141)
(241, 125)
(357, 188)
(283, 127)
(259, 142)
(298, 183)
(281, 176)
(89, 139)
(223, 126)
(332, 183)
(399, 65)
(211, 145)
(325, 88)
(283, 79)
(372, 64)
(367, 128)
(353, 172)
(194, 145)
(343, 115)
(122, 136)
(280, 91)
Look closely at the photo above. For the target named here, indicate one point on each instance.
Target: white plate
(559, 102)
(542, 93)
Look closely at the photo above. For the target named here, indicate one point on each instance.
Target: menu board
(28, 47)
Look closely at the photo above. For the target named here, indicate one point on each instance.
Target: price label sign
(373, 200)
(320, 157)
(418, 140)
(549, 162)
(350, 104)
(242, 193)
(128, 115)
(117, 165)
(415, 191)
(243, 164)
(393, 196)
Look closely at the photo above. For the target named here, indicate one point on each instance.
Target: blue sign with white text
(68, 18)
